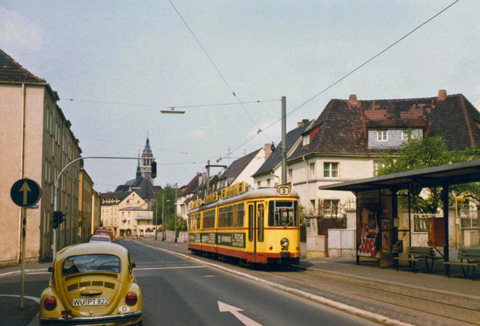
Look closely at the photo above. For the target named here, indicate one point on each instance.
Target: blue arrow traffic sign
(25, 193)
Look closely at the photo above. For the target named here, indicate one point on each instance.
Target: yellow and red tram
(257, 226)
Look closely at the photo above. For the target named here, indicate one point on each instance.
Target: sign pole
(24, 231)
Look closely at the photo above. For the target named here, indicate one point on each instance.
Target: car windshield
(93, 262)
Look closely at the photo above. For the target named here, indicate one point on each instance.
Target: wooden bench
(469, 257)
(415, 254)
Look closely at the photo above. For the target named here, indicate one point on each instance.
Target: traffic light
(154, 169)
(58, 218)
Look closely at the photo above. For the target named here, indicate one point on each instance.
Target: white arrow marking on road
(25, 189)
(223, 307)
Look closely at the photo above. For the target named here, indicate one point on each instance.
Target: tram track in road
(452, 308)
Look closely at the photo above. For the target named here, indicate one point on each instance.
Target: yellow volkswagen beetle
(92, 283)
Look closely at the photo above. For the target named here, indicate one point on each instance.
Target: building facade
(36, 142)
(85, 206)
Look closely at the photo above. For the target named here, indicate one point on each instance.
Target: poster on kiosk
(368, 224)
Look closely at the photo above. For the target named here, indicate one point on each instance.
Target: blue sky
(141, 56)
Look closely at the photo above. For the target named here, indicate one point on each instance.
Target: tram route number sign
(283, 190)
(25, 193)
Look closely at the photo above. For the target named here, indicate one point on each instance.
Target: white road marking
(223, 307)
(210, 276)
(173, 267)
(27, 271)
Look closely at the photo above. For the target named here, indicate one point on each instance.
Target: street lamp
(172, 111)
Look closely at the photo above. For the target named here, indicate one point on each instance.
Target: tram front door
(256, 213)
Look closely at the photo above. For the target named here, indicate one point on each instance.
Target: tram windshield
(282, 213)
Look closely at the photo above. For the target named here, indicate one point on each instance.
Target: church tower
(146, 162)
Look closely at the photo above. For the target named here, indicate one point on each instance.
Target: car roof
(92, 248)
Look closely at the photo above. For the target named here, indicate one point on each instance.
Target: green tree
(165, 197)
(420, 153)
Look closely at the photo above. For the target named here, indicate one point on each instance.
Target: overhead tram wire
(354, 70)
(175, 106)
(218, 70)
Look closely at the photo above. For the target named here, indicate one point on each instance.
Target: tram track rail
(452, 307)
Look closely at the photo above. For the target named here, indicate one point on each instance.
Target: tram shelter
(383, 219)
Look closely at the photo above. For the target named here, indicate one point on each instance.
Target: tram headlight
(284, 242)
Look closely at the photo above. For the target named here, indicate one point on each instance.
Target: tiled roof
(12, 71)
(342, 126)
(192, 185)
(239, 165)
(276, 157)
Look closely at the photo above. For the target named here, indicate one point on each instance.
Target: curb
(333, 304)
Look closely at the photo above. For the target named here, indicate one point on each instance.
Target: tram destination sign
(25, 193)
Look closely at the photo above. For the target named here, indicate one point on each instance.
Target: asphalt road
(181, 292)
(177, 291)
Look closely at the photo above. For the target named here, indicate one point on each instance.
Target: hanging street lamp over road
(172, 111)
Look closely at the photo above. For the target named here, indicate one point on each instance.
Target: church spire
(139, 172)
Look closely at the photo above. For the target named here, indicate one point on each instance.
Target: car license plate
(90, 302)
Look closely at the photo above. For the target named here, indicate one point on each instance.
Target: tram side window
(238, 214)
(231, 216)
(282, 213)
(209, 219)
(194, 222)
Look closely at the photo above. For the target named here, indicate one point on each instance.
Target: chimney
(442, 95)
(302, 123)
(268, 150)
(353, 99)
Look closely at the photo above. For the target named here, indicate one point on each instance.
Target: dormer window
(382, 135)
(306, 140)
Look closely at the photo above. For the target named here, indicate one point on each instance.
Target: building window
(306, 140)
(259, 184)
(404, 135)
(312, 170)
(382, 135)
(290, 175)
(330, 170)
(268, 182)
(330, 208)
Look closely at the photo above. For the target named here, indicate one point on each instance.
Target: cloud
(197, 134)
(17, 32)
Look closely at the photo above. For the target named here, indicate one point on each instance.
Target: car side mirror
(50, 269)
(134, 265)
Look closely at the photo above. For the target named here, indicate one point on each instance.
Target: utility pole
(208, 177)
(175, 211)
(284, 141)
(156, 222)
(163, 215)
